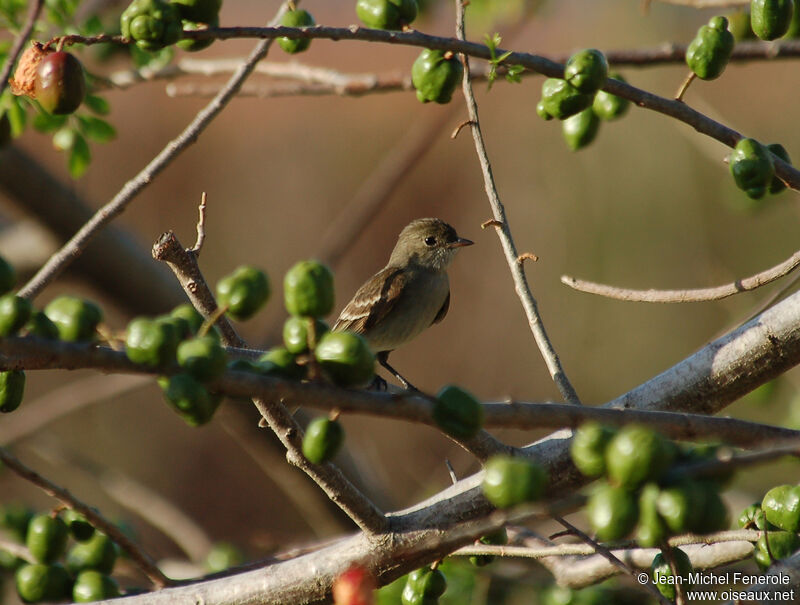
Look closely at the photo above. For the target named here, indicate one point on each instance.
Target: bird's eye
(430, 241)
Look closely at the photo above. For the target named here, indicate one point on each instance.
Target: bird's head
(427, 242)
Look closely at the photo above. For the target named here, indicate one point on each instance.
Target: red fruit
(60, 83)
(354, 587)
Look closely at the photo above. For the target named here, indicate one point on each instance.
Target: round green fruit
(612, 511)
(586, 70)
(770, 19)
(222, 556)
(243, 292)
(781, 506)
(781, 545)
(98, 553)
(296, 18)
(542, 112)
(8, 277)
(497, 538)
(510, 481)
(15, 518)
(296, 335)
(308, 289)
(47, 538)
(78, 526)
(637, 454)
(752, 517)
(40, 582)
(199, 11)
(346, 359)
(708, 54)
(40, 326)
(435, 75)
(581, 129)
(423, 587)
(751, 167)
(93, 586)
(15, 312)
(560, 99)
(777, 185)
(190, 315)
(588, 448)
(151, 342)
(203, 358)
(386, 14)
(189, 398)
(610, 107)
(650, 530)
(681, 506)
(661, 572)
(279, 362)
(190, 44)
(457, 412)
(60, 84)
(12, 389)
(739, 25)
(76, 319)
(152, 24)
(323, 438)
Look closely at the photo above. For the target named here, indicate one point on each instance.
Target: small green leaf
(504, 56)
(64, 139)
(79, 157)
(96, 129)
(45, 122)
(97, 104)
(514, 73)
(18, 116)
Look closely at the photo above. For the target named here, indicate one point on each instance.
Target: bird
(407, 296)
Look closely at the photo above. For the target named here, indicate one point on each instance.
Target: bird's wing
(373, 301)
(443, 311)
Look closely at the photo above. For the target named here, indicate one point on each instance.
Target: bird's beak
(460, 243)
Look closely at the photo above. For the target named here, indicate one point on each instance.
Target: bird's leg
(383, 359)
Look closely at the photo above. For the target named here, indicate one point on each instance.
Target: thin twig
(142, 559)
(30, 20)
(201, 226)
(680, 296)
(504, 233)
(685, 86)
(73, 248)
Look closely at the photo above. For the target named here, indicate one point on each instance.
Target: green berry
(681, 506)
(777, 185)
(498, 538)
(650, 530)
(190, 44)
(60, 84)
(243, 292)
(296, 333)
(189, 398)
(14, 313)
(308, 289)
(78, 526)
(542, 112)
(770, 19)
(281, 363)
(203, 358)
(222, 556)
(98, 553)
(189, 314)
(581, 129)
(323, 438)
(752, 517)
(47, 538)
(12, 389)
(346, 359)
(40, 582)
(386, 14)
(607, 106)
(40, 326)
(637, 454)
(586, 70)
(612, 511)
(91, 585)
(76, 319)
(708, 54)
(8, 277)
(751, 167)
(15, 518)
(435, 75)
(152, 24)
(780, 544)
(739, 25)
(199, 11)
(510, 481)
(588, 448)
(296, 18)
(781, 506)
(151, 342)
(661, 572)
(423, 587)
(561, 100)
(458, 413)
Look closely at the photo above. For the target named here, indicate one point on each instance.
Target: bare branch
(201, 226)
(697, 295)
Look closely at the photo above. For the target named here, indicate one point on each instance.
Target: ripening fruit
(661, 572)
(560, 99)
(91, 585)
(356, 586)
(386, 14)
(457, 412)
(612, 511)
(202, 357)
(243, 292)
(770, 19)
(346, 359)
(199, 11)
(322, 440)
(152, 24)
(308, 289)
(510, 481)
(708, 54)
(60, 83)
(76, 319)
(581, 129)
(751, 167)
(12, 389)
(14, 313)
(586, 70)
(151, 342)
(781, 506)
(435, 75)
(47, 538)
(296, 18)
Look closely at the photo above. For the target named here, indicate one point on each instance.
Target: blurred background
(650, 204)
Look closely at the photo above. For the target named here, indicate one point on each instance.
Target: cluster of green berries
(80, 574)
(770, 18)
(753, 168)
(778, 516)
(637, 493)
(577, 99)
(155, 24)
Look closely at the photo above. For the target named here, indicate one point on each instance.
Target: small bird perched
(409, 294)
